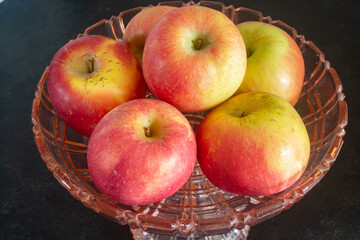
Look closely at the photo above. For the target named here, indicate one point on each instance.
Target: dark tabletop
(33, 205)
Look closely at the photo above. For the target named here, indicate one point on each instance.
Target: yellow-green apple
(139, 27)
(91, 75)
(194, 58)
(142, 151)
(275, 63)
(253, 144)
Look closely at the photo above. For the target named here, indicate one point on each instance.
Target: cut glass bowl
(199, 209)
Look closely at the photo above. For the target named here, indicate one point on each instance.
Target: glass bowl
(199, 208)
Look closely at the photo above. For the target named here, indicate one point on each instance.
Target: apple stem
(147, 131)
(91, 63)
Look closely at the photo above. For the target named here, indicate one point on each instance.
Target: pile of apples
(192, 59)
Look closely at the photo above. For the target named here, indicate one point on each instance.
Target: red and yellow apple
(142, 151)
(253, 144)
(275, 63)
(194, 58)
(91, 75)
(139, 27)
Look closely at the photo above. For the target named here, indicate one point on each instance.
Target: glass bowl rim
(127, 216)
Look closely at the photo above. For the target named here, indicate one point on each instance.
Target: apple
(142, 151)
(194, 58)
(139, 27)
(253, 144)
(91, 75)
(274, 61)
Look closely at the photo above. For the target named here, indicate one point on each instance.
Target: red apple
(91, 75)
(139, 27)
(275, 63)
(253, 144)
(194, 58)
(142, 151)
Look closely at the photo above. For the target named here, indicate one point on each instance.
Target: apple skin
(253, 144)
(134, 169)
(139, 27)
(194, 58)
(81, 97)
(275, 63)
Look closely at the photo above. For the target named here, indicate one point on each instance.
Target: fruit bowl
(199, 208)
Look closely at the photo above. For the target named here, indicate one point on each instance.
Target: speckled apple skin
(253, 144)
(80, 98)
(134, 169)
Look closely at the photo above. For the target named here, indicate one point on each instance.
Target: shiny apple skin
(191, 78)
(275, 63)
(253, 144)
(80, 97)
(139, 27)
(134, 169)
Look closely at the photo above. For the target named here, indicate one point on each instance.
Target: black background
(33, 205)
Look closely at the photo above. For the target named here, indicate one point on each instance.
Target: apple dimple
(201, 42)
(242, 114)
(249, 52)
(152, 129)
(82, 65)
